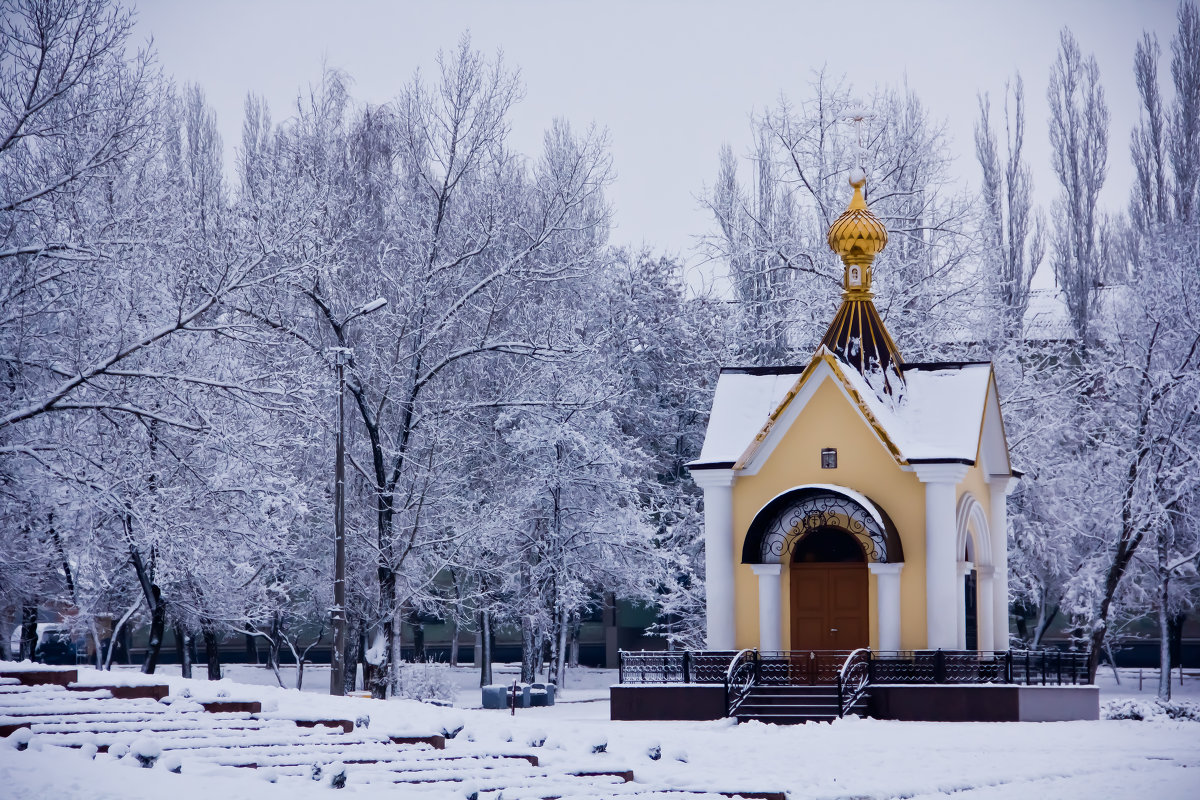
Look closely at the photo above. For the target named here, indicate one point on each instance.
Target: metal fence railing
(821, 667)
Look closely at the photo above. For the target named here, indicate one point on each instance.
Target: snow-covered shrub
(600, 745)
(146, 751)
(337, 775)
(171, 762)
(452, 728)
(536, 739)
(426, 681)
(679, 754)
(654, 751)
(1131, 708)
(362, 721)
(19, 739)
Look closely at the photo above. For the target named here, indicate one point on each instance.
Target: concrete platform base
(923, 703)
(985, 703)
(661, 702)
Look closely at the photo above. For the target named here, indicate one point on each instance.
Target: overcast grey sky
(671, 81)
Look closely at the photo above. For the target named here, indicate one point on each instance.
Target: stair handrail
(854, 679)
(740, 678)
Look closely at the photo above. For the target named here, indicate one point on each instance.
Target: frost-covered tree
(1012, 238)
(1079, 155)
(772, 235)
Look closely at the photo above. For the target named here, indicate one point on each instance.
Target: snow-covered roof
(938, 418)
(745, 398)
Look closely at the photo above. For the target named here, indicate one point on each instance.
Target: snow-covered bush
(337, 775)
(19, 739)
(1130, 708)
(654, 751)
(426, 681)
(146, 751)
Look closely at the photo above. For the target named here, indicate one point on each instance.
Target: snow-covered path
(851, 758)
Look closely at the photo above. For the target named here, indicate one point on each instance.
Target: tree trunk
(576, 626)
(183, 647)
(158, 623)
(29, 615)
(418, 640)
(560, 673)
(1176, 622)
(531, 650)
(1164, 625)
(1043, 624)
(213, 655)
(274, 642)
(484, 639)
(252, 649)
(382, 672)
(97, 644)
(158, 612)
(454, 643)
(352, 658)
(1112, 580)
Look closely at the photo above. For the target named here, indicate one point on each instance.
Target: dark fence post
(1028, 677)
(939, 666)
(1008, 676)
(620, 666)
(1074, 668)
(1045, 669)
(1058, 665)
(687, 666)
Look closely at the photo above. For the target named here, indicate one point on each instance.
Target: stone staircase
(46, 708)
(792, 705)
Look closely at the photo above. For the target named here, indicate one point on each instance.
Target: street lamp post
(337, 667)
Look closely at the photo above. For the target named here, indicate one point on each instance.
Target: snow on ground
(852, 758)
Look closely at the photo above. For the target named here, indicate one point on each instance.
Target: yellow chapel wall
(865, 465)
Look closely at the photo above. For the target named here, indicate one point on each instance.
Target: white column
(987, 625)
(770, 606)
(718, 555)
(941, 482)
(887, 603)
(1000, 486)
(964, 569)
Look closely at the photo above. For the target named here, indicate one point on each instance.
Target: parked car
(54, 644)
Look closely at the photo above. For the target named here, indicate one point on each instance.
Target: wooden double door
(829, 606)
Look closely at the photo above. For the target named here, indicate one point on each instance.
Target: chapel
(857, 500)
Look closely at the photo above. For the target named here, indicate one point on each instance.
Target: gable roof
(940, 418)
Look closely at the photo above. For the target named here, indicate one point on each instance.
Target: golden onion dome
(857, 235)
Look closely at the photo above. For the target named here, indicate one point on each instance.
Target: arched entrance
(829, 592)
(828, 539)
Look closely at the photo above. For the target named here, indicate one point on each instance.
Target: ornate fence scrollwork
(853, 679)
(740, 679)
(786, 520)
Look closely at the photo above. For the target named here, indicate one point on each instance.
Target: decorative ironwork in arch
(787, 519)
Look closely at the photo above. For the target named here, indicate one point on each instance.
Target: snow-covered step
(38, 674)
(154, 725)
